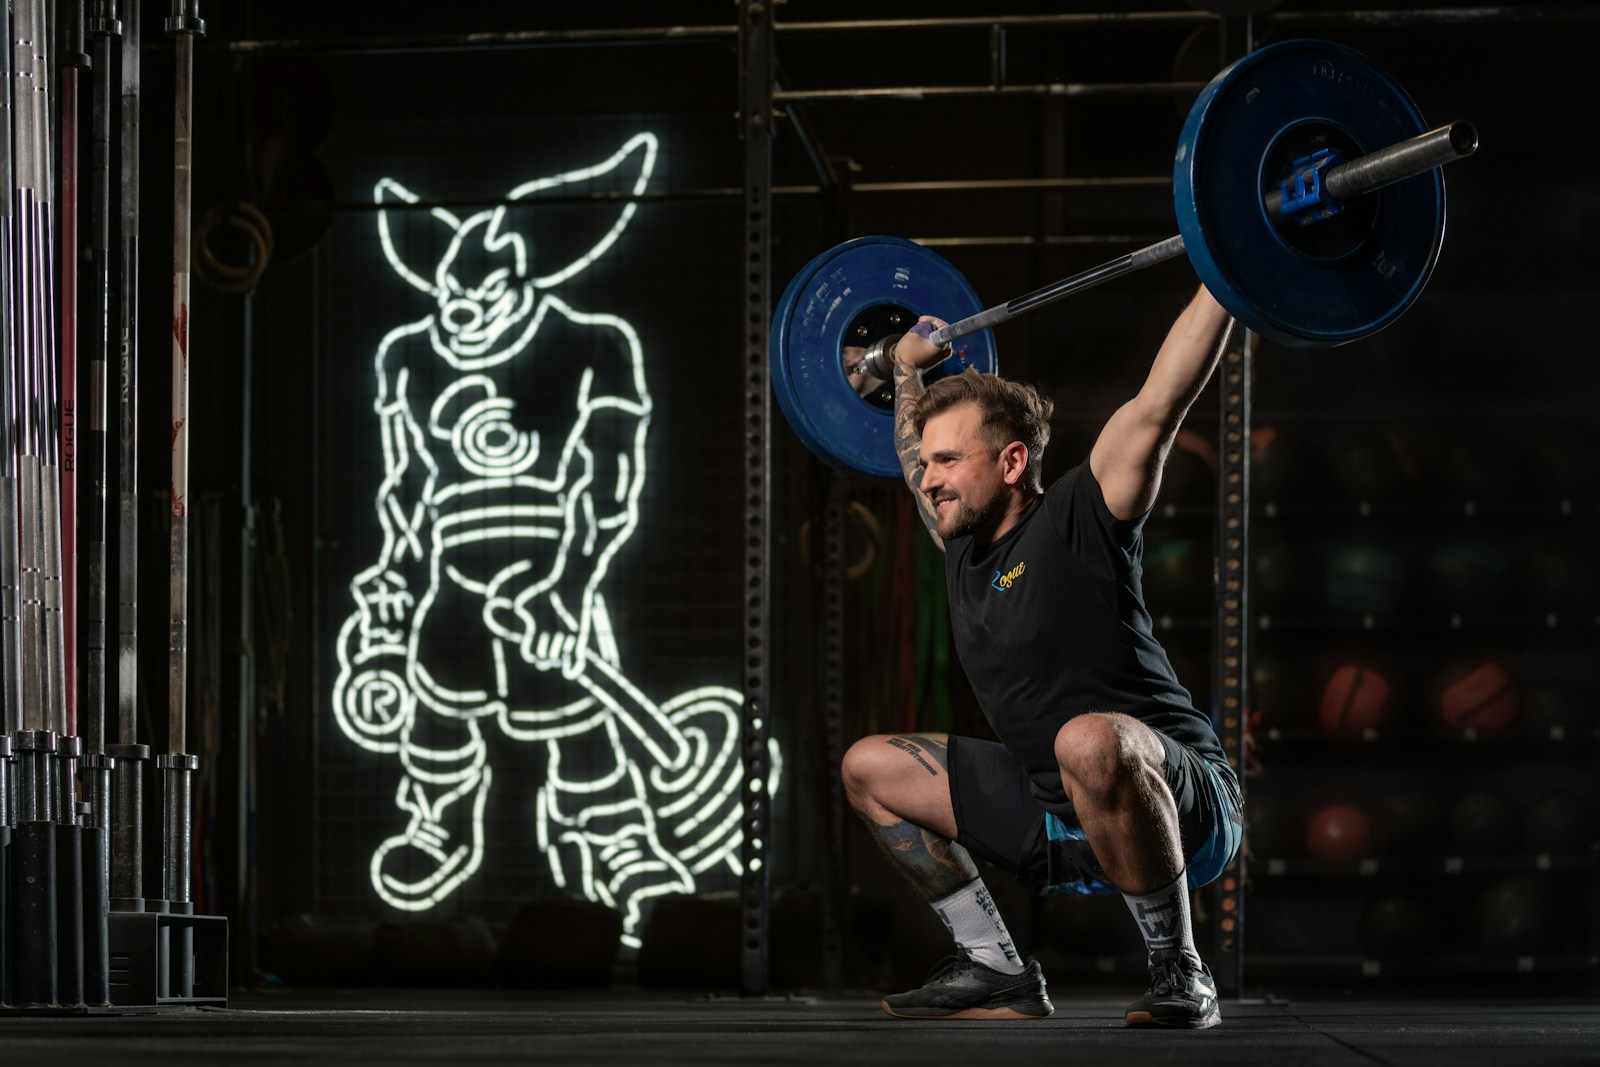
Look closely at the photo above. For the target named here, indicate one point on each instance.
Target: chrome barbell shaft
(1346, 181)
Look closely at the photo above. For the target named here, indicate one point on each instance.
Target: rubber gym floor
(418, 1026)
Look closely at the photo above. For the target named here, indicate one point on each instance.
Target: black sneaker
(1179, 996)
(963, 988)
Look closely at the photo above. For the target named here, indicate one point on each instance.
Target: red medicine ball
(1339, 832)
(1357, 696)
(1476, 694)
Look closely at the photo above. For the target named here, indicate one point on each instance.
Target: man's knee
(892, 771)
(1100, 754)
(864, 767)
(895, 777)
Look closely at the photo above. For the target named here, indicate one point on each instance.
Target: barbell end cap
(879, 360)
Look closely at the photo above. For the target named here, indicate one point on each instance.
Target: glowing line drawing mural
(503, 502)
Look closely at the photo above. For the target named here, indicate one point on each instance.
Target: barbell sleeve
(1413, 156)
(1345, 181)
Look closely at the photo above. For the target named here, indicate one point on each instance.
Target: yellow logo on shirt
(1004, 581)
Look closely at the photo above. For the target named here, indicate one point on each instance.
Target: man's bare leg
(900, 786)
(1112, 767)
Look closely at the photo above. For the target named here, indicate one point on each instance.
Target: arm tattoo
(907, 387)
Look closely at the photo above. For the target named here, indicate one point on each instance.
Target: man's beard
(962, 520)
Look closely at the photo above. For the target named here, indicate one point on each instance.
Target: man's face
(963, 479)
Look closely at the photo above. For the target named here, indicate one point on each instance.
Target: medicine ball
(1358, 694)
(1406, 822)
(1373, 465)
(1339, 832)
(1469, 576)
(1399, 927)
(1485, 822)
(1304, 923)
(1514, 917)
(1284, 467)
(1562, 821)
(1561, 460)
(1281, 692)
(1278, 583)
(1559, 709)
(1559, 579)
(1474, 467)
(1365, 579)
(1271, 830)
(1476, 695)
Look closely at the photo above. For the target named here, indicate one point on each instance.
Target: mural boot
(439, 848)
(608, 851)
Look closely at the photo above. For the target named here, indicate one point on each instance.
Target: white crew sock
(1163, 918)
(973, 920)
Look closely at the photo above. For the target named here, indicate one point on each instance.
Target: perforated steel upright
(1231, 670)
(755, 118)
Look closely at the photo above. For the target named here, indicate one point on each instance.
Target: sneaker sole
(1144, 1018)
(1011, 1014)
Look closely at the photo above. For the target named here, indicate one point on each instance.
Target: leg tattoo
(912, 749)
(933, 864)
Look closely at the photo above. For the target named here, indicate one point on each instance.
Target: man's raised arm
(1128, 455)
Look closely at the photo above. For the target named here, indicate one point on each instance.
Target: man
(1106, 777)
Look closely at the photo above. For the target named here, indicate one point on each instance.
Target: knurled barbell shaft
(1148, 256)
(1408, 158)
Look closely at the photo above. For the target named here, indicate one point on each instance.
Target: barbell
(1309, 201)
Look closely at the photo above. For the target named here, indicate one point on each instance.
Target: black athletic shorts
(999, 819)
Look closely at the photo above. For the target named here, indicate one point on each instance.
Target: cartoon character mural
(513, 427)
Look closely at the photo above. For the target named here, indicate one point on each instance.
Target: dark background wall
(1465, 427)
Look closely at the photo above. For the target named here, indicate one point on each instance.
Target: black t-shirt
(1050, 622)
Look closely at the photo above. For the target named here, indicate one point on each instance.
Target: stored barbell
(1309, 201)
